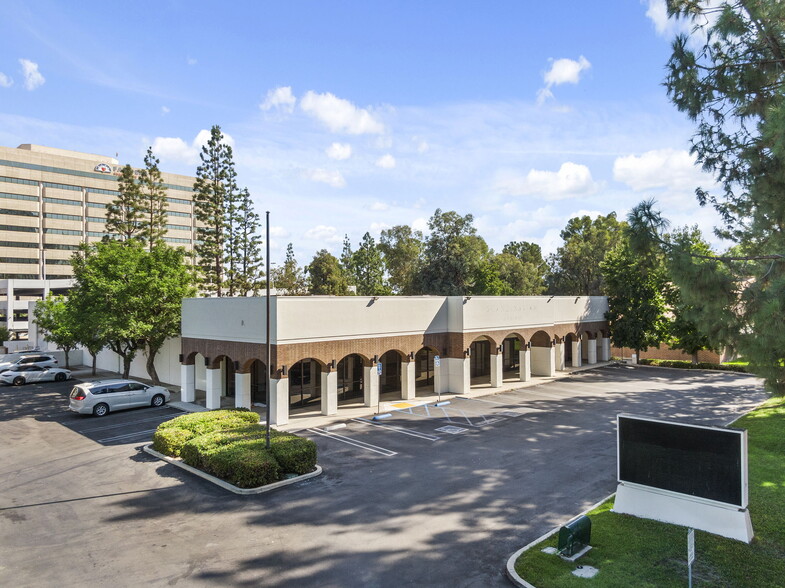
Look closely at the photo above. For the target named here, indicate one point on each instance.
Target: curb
(226, 485)
(512, 575)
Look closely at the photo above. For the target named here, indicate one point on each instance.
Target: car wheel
(60, 377)
(19, 381)
(158, 400)
(100, 410)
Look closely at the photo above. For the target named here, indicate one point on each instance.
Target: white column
(10, 306)
(242, 390)
(214, 388)
(543, 361)
(371, 381)
(278, 397)
(187, 383)
(439, 381)
(408, 383)
(591, 351)
(497, 370)
(329, 392)
(605, 349)
(576, 354)
(560, 356)
(524, 365)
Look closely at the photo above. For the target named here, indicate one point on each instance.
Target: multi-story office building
(51, 201)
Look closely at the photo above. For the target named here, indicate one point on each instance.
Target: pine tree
(153, 201)
(215, 188)
(289, 279)
(249, 247)
(124, 214)
(368, 269)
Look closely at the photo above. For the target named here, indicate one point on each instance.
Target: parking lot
(428, 496)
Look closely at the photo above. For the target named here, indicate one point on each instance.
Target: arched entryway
(390, 378)
(424, 371)
(226, 365)
(511, 358)
(480, 362)
(258, 383)
(543, 355)
(570, 360)
(351, 384)
(305, 385)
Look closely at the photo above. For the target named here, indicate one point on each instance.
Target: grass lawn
(629, 551)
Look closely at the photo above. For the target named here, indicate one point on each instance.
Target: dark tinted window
(136, 386)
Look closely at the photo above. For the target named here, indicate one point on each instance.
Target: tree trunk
(95, 360)
(151, 368)
(66, 350)
(127, 359)
(695, 358)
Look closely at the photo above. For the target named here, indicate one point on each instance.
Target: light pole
(267, 329)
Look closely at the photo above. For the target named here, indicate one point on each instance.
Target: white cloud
(5, 81)
(420, 224)
(670, 27)
(377, 228)
(191, 61)
(324, 233)
(662, 168)
(33, 78)
(562, 71)
(175, 149)
(339, 151)
(339, 115)
(379, 206)
(280, 98)
(386, 161)
(280, 232)
(165, 110)
(570, 181)
(332, 178)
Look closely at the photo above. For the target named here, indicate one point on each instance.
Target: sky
(348, 117)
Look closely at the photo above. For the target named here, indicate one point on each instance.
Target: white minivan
(104, 396)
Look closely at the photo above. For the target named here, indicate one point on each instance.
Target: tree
(728, 76)
(452, 256)
(214, 191)
(347, 261)
(5, 334)
(368, 268)
(134, 295)
(53, 319)
(88, 327)
(401, 249)
(575, 267)
(290, 279)
(248, 270)
(325, 275)
(636, 306)
(534, 266)
(153, 204)
(125, 213)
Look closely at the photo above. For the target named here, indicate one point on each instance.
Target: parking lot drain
(452, 430)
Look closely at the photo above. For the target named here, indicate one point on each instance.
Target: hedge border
(226, 485)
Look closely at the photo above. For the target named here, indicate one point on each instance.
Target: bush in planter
(170, 436)
(295, 454)
(246, 464)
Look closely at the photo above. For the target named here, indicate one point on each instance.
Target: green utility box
(574, 536)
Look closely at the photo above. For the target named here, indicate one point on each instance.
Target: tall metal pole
(267, 328)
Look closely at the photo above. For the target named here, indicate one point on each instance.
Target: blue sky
(354, 116)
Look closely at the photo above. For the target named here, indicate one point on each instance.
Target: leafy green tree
(727, 74)
(575, 267)
(636, 305)
(402, 250)
(88, 327)
(488, 280)
(5, 334)
(289, 279)
(532, 281)
(452, 256)
(153, 204)
(368, 268)
(53, 319)
(125, 213)
(215, 192)
(135, 295)
(325, 275)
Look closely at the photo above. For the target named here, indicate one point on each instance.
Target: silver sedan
(25, 374)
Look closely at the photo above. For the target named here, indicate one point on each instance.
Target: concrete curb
(226, 485)
(512, 575)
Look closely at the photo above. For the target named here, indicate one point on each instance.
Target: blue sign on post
(379, 368)
(435, 361)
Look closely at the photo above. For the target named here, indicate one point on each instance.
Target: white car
(26, 374)
(11, 362)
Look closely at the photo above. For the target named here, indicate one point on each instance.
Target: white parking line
(354, 442)
(397, 429)
(116, 425)
(126, 436)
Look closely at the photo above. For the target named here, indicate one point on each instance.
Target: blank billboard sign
(695, 460)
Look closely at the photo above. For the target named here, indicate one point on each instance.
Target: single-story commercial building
(333, 351)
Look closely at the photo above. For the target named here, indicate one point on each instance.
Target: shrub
(246, 464)
(170, 441)
(673, 363)
(195, 424)
(295, 454)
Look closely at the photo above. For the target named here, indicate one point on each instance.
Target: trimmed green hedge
(170, 436)
(688, 365)
(235, 450)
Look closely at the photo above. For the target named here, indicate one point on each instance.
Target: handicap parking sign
(435, 361)
(379, 368)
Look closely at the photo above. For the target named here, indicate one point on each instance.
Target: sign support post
(690, 554)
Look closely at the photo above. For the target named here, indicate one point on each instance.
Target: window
(62, 232)
(62, 201)
(58, 262)
(96, 219)
(18, 196)
(19, 260)
(20, 229)
(18, 181)
(15, 212)
(18, 244)
(57, 246)
(62, 216)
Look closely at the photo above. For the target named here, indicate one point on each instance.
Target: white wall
(167, 363)
(485, 313)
